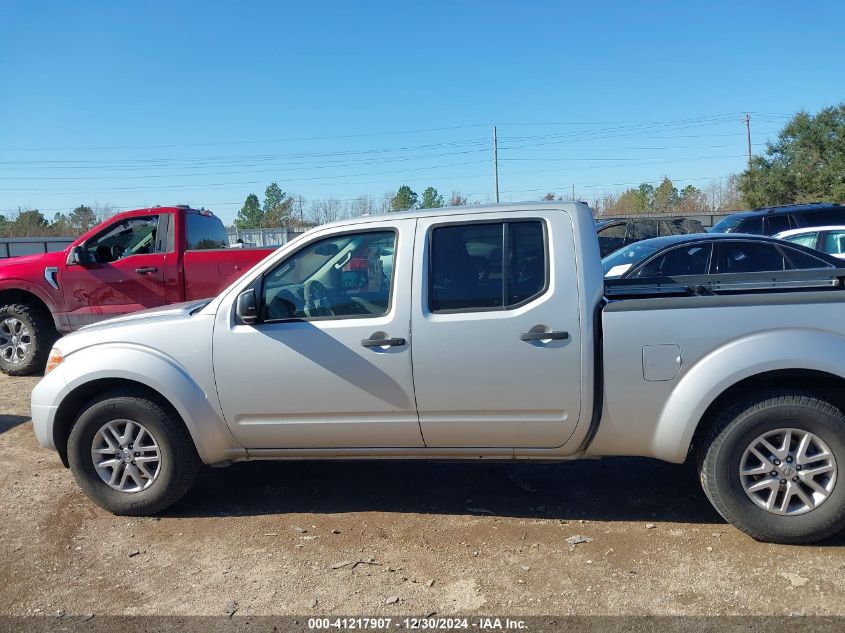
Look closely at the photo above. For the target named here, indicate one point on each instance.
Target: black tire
(180, 463)
(42, 334)
(735, 428)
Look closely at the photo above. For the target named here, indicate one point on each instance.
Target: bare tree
(384, 205)
(103, 211)
(723, 195)
(456, 199)
(325, 211)
(362, 205)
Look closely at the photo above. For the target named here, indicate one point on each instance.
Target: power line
(706, 119)
(656, 161)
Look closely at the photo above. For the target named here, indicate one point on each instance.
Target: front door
(329, 363)
(496, 328)
(123, 272)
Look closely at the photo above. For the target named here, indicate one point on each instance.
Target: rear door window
(778, 223)
(486, 266)
(753, 226)
(749, 257)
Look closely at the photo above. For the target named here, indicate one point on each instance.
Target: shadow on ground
(8, 422)
(615, 489)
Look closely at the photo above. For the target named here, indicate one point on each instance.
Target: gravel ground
(393, 538)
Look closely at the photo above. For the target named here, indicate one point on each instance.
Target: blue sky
(203, 102)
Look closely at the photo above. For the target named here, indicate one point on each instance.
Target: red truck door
(122, 270)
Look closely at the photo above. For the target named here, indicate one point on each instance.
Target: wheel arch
(820, 384)
(70, 407)
(20, 295)
(811, 360)
(105, 368)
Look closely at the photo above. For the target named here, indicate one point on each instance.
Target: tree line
(717, 197)
(280, 210)
(24, 222)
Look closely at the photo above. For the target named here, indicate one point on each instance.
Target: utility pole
(301, 220)
(573, 192)
(748, 136)
(496, 162)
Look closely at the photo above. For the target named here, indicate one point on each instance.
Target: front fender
(51, 299)
(733, 362)
(161, 373)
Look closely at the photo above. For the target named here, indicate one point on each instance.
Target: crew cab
(133, 261)
(425, 352)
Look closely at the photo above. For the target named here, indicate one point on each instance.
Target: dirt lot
(287, 538)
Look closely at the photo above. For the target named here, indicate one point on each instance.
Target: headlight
(53, 360)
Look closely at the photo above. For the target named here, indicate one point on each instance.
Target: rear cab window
(487, 266)
(203, 232)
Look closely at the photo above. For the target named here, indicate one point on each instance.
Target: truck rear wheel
(26, 334)
(770, 466)
(131, 454)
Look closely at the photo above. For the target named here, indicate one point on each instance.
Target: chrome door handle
(544, 336)
(146, 269)
(383, 342)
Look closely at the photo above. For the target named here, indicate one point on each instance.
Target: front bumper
(46, 397)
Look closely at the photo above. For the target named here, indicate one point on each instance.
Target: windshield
(619, 262)
(727, 225)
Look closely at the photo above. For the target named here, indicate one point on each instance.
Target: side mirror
(246, 308)
(76, 256)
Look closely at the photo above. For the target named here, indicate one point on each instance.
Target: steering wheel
(317, 302)
(116, 252)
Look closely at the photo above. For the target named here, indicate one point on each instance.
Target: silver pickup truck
(469, 333)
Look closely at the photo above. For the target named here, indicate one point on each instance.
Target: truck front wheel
(132, 454)
(770, 466)
(26, 334)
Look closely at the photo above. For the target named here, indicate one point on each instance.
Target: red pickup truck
(132, 261)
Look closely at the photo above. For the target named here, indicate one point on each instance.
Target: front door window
(134, 236)
(345, 276)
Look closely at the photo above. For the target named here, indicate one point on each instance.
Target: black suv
(771, 220)
(615, 233)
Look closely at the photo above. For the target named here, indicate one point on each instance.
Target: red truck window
(204, 232)
(134, 236)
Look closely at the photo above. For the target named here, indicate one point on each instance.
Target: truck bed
(663, 340)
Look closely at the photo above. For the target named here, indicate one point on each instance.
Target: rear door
(496, 332)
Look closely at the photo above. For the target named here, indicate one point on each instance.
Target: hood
(147, 328)
(44, 259)
(160, 316)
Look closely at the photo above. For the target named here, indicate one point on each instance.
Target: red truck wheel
(26, 335)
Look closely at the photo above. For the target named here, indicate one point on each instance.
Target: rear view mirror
(76, 256)
(327, 250)
(246, 308)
